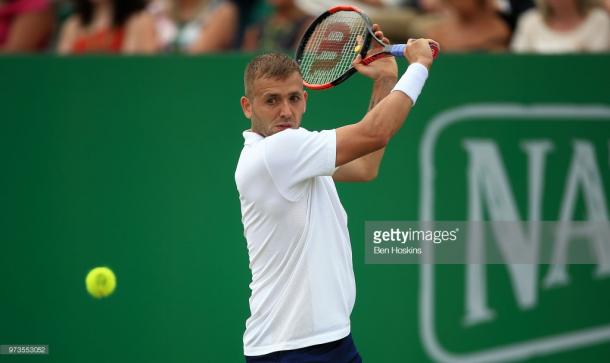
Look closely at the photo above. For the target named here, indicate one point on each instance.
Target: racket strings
(329, 51)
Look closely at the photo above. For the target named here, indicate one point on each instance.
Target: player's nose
(285, 110)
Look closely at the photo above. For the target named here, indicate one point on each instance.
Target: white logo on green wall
(530, 163)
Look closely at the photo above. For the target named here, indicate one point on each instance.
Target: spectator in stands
(25, 25)
(280, 31)
(511, 10)
(226, 26)
(179, 23)
(109, 26)
(404, 19)
(471, 25)
(400, 19)
(563, 26)
(317, 7)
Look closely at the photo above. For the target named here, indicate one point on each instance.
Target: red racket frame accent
(334, 9)
(318, 86)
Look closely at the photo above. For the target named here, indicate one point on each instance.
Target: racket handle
(397, 50)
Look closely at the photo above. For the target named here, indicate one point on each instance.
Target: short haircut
(272, 65)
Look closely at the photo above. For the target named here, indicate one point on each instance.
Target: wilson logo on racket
(332, 42)
(328, 52)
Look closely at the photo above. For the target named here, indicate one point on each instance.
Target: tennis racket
(332, 42)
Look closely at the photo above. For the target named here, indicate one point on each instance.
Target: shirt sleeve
(294, 157)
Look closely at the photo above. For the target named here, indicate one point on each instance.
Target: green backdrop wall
(129, 162)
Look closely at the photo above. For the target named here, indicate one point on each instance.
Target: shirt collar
(251, 137)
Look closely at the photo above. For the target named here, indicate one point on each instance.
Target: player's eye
(271, 101)
(295, 98)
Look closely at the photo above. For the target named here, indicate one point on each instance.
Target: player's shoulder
(289, 136)
(290, 142)
(292, 133)
(293, 137)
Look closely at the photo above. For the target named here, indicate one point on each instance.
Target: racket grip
(397, 50)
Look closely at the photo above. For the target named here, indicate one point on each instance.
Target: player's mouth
(283, 126)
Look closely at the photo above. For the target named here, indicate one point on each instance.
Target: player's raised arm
(384, 73)
(378, 126)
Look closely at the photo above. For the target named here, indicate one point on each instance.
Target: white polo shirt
(303, 287)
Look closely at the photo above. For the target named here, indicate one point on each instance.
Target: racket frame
(395, 50)
(366, 44)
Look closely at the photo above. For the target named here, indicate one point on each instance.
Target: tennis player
(303, 287)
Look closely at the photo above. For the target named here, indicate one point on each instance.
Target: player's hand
(418, 51)
(381, 68)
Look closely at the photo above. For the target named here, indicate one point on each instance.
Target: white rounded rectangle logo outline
(479, 112)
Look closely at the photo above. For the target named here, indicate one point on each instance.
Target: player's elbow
(370, 175)
(379, 137)
(380, 140)
(385, 140)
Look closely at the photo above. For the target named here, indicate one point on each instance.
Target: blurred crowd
(203, 26)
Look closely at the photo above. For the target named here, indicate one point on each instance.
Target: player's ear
(305, 98)
(246, 106)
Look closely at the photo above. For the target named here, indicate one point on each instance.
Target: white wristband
(412, 82)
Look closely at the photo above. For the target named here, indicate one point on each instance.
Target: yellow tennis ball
(357, 48)
(100, 282)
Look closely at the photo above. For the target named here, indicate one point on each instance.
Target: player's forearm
(387, 117)
(384, 120)
(381, 88)
(378, 126)
(366, 167)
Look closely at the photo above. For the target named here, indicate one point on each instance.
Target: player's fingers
(375, 27)
(380, 35)
(361, 68)
(432, 41)
(356, 61)
(359, 42)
